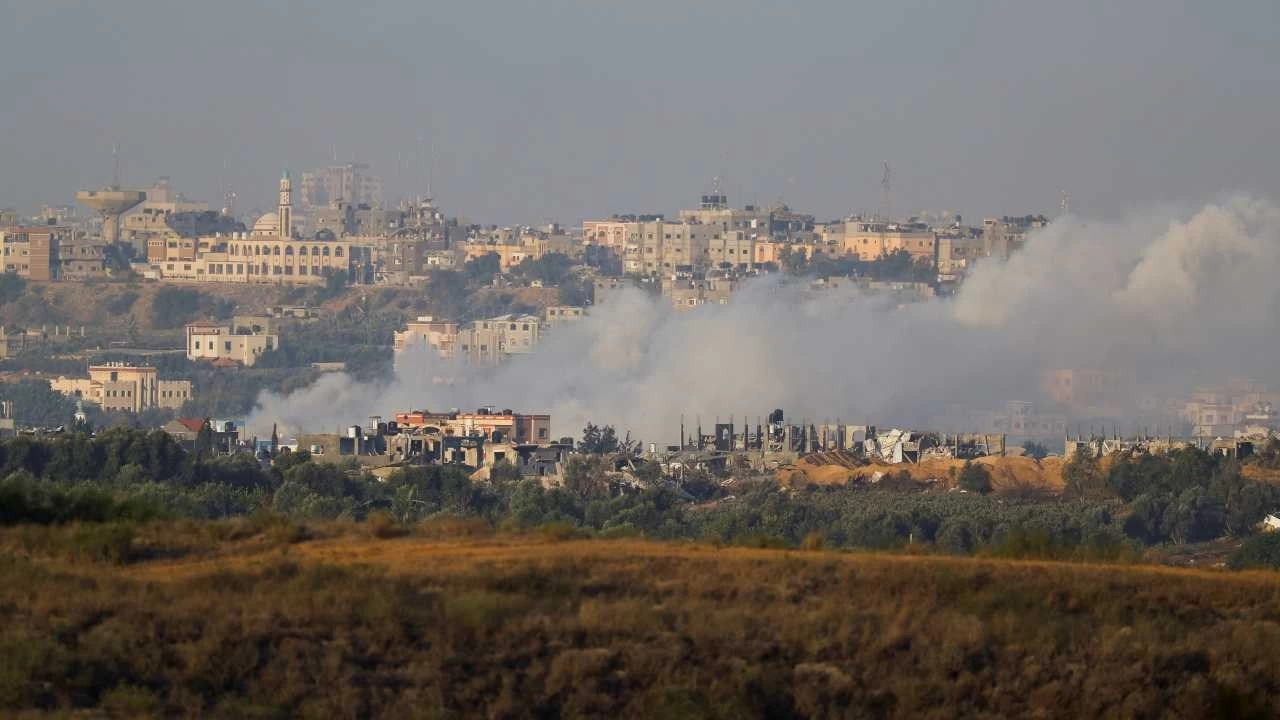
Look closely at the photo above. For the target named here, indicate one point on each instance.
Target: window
(227, 346)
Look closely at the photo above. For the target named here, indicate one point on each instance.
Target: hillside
(240, 620)
(106, 309)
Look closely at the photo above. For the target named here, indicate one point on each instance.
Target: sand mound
(1008, 474)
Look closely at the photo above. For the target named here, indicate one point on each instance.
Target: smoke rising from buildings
(1163, 299)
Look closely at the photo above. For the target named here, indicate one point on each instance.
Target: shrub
(974, 478)
(1259, 551)
(815, 540)
(382, 526)
(560, 530)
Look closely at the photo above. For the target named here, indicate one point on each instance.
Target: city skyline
(538, 112)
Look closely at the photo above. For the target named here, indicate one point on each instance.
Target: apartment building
(81, 259)
(32, 252)
(871, 240)
(553, 316)
(1005, 235)
(495, 339)
(116, 387)
(439, 335)
(211, 340)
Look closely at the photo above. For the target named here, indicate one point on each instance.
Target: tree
(604, 259)
(551, 269)
(1035, 449)
(974, 478)
(203, 448)
(11, 287)
(1260, 551)
(1083, 477)
(480, 270)
(599, 440)
(585, 479)
(792, 261)
(174, 306)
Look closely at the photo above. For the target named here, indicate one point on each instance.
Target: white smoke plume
(1169, 301)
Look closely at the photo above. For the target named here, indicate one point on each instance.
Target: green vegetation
(12, 287)
(173, 307)
(1188, 497)
(1259, 551)
(35, 403)
(974, 478)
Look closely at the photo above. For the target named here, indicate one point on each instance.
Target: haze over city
(714, 359)
(528, 111)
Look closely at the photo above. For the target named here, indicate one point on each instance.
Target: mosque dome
(268, 224)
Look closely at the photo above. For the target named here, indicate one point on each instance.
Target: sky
(533, 110)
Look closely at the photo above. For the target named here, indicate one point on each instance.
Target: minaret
(286, 207)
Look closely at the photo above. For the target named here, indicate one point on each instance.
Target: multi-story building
(1006, 235)
(958, 249)
(81, 259)
(553, 316)
(125, 388)
(439, 335)
(687, 293)
(210, 340)
(32, 252)
(348, 183)
(870, 240)
(1085, 392)
(497, 425)
(270, 253)
(493, 340)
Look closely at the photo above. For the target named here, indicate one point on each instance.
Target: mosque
(272, 253)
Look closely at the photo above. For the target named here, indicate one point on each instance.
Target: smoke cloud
(1167, 300)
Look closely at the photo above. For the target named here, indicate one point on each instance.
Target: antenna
(115, 165)
(887, 205)
(1066, 202)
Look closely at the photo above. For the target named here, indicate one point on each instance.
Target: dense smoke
(1166, 301)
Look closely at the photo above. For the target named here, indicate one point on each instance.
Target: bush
(382, 526)
(974, 478)
(1259, 551)
(173, 307)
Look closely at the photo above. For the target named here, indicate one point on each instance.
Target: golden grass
(350, 625)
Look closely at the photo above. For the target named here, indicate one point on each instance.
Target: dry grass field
(277, 620)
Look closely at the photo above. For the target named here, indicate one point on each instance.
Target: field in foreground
(268, 624)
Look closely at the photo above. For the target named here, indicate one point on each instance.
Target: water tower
(111, 203)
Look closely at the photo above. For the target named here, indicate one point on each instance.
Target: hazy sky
(567, 109)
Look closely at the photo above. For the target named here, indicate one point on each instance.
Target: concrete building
(439, 335)
(125, 388)
(493, 340)
(687, 293)
(870, 240)
(553, 316)
(350, 183)
(32, 252)
(211, 340)
(81, 259)
(489, 422)
(958, 249)
(1084, 391)
(1006, 235)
